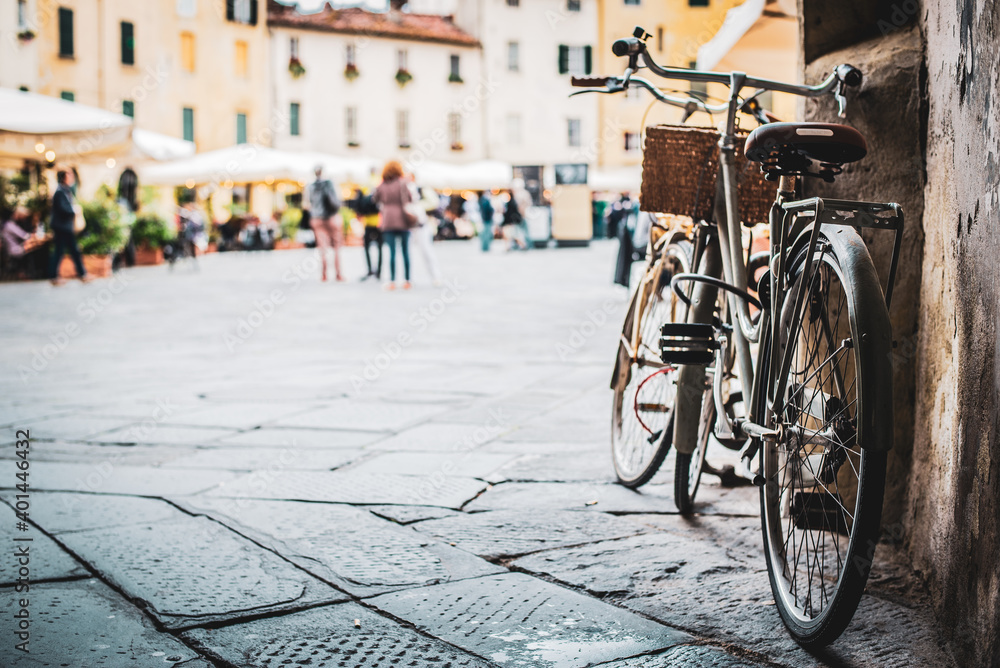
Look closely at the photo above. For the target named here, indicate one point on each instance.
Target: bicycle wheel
(821, 501)
(642, 410)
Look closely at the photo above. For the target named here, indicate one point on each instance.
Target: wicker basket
(679, 170)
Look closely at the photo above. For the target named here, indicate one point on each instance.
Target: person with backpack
(367, 211)
(325, 220)
(392, 196)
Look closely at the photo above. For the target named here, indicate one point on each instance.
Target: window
(351, 55)
(187, 9)
(514, 129)
(513, 57)
(188, 119)
(572, 5)
(128, 108)
(402, 58)
(455, 74)
(699, 88)
(128, 43)
(241, 128)
(513, 3)
(242, 11)
(68, 96)
(455, 131)
(631, 142)
(241, 59)
(575, 60)
(187, 51)
(65, 32)
(22, 14)
(293, 48)
(659, 38)
(351, 125)
(403, 128)
(573, 136)
(697, 3)
(632, 2)
(293, 122)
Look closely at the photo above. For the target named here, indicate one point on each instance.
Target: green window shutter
(65, 32)
(563, 59)
(128, 43)
(68, 96)
(588, 59)
(188, 124)
(241, 128)
(128, 108)
(294, 122)
(230, 10)
(253, 12)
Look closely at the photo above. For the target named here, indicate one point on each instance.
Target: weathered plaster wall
(954, 513)
(929, 110)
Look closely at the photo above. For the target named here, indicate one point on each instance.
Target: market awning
(46, 128)
(160, 147)
(250, 163)
(736, 24)
(480, 175)
(620, 179)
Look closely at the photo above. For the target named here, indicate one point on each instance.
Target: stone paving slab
(85, 624)
(74, 427)
(517, 620)
(237, 415)
(238, 458)
(303, 438)
(438, 437)
(162, 433)
(462, 464)
(710, 579)
(359, 488)
(569, 496)
(46, 560)
(410, 514)
(88, 453)
(686, 656)
(190, 571)
(505, 533)
(559, 468)
(14, 415)
(61, 512)
(107, 477)
(328, 636)
(363, 415)
(357, 551)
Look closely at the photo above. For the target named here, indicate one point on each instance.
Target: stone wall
(929, 110)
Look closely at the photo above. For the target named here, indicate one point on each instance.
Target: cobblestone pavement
(242, 466)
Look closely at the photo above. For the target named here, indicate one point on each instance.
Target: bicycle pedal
(688, 343)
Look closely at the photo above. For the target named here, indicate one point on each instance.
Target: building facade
(389, 85)
(192, 69)
(677, 28)
(18, 44)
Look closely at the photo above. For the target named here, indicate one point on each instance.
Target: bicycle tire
(830, 462)
(637, 452)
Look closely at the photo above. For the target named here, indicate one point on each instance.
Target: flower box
(148, 256)
(97, 266)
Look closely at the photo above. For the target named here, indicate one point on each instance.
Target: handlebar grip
(589, 82)
(624, 47)
(849, 74)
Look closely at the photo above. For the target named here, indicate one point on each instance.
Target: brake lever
(838, 94)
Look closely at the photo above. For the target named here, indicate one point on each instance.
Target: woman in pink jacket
(392, 196)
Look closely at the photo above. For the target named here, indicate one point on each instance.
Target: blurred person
(513, 220)
(486, 213)
(64, 211)
(392, 196)
(190, 225)
(327, 225)
(367, 210)
(22, 246)
(425, 201)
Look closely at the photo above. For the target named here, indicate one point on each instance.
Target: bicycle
(817, 420)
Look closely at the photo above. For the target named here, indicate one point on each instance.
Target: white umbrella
(621, 179)
(480, 175)
(40, 127)
(160, 147)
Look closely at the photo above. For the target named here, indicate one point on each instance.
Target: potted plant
(455, 78)
(290, 220)
(104, 236)
(26, 35)
(351, 72)
(150, 234)
(403, 77)
(295, 68)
